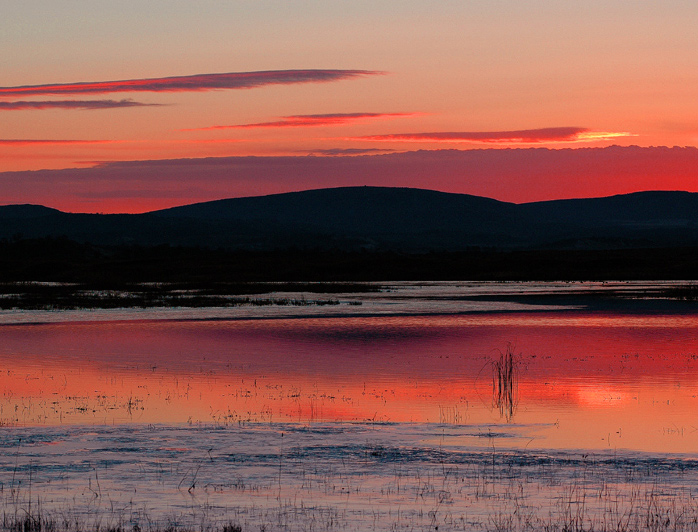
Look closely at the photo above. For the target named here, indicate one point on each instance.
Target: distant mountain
(640, 219)
(378, 218)
(23, 212)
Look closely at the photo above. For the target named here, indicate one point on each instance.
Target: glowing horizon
(517, 175)
(266, 80)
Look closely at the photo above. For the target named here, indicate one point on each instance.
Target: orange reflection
(581, 383)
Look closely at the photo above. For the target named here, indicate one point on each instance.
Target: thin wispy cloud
(48, 142)
(333, 119)
(207, 141)
(195, 83)
(29, 142)
(522, 136)
(72, 104)
(333, 152)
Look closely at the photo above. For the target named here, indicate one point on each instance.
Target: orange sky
(88, 84)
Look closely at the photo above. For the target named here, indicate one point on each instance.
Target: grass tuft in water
(505, 382)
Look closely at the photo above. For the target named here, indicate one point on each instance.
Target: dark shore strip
(62, 298)
(680, 298)
(62, 260)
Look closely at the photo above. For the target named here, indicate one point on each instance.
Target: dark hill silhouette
(365, 216)
(638, 219)
(636, 208)
(25, 211)
(378, 218)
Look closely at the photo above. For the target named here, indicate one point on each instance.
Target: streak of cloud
(522, 136)
(29, 142)
(72, 104)
(333, 119)
(195, 83)
(206, 141)
(332, 152)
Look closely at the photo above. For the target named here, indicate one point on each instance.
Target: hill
(380, 219)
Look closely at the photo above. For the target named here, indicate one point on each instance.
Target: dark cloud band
(517, 136)
(72, 104)
(29, 142)
(199, 82)
(348, 151)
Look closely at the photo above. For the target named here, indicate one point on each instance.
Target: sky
(134, 106)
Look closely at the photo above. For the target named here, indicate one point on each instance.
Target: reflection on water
(578, 381)
(412, 416)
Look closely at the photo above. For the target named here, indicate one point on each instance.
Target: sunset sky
(131, 106)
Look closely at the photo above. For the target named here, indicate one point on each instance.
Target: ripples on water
(328, 476)
(378, 418)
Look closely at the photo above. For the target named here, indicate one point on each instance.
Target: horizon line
(658, 191)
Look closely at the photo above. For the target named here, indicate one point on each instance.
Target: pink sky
(515, 175)
(84, 88)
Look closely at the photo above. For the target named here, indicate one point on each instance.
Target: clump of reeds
(615, 511)
(33, 522)
(27, 523)
(111, 300)
(71, 296)
(687, 292)
(505, 382)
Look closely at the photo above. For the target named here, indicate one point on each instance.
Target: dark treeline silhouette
(359, 234)
(60, 259)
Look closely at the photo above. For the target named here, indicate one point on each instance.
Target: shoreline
(48, 303)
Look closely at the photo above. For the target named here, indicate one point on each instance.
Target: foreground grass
(38, 523)
(646, 512)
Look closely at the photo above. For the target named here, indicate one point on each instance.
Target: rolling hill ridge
(379, 218)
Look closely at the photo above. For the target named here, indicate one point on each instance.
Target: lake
(468, 406)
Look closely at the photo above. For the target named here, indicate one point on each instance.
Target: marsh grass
(686, 292)
(111, 300)
(505, 382)
(577, 508)
(390, 487)
(39, 523)
(72, 296)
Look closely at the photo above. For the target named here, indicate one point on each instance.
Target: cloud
(72, 104)
(510, 174)
(29, 142)
(349, 151)
(522, 136)
(196, 83)
(205, 141)
(333, 119)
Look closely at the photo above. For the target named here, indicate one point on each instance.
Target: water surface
(195, 410)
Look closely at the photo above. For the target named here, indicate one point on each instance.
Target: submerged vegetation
(686, 292)
(68, 296)
(625, 296)
(245, 472)
(341, 478)
(648, 512)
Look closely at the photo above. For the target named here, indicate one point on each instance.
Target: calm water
(211, 413)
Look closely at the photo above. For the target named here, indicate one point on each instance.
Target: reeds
(686, 292)
(505, 382)
(433, 499)
(72, 296)
(38, 523)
